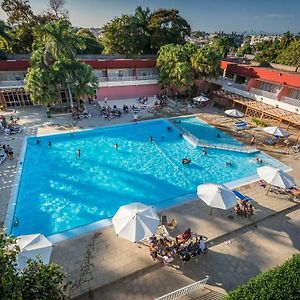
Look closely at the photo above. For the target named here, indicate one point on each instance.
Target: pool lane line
(176, 167)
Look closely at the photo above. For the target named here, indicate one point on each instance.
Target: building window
(16, 98)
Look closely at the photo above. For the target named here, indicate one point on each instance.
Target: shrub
(259, 122)
(281, 282)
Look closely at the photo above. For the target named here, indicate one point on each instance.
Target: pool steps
(194, 141)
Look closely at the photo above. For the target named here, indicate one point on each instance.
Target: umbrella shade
(218, 196)
(276, 177)
(276, 131)
(234, 113)
(135, 221)
(201, 99)
(31, 246)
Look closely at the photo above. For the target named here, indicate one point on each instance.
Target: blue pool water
(59, 191)
(207, 133)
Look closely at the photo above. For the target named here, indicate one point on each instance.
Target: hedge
(282, 282)
(259, 122)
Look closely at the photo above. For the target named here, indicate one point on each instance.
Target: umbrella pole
(268, 190)
(210, 211)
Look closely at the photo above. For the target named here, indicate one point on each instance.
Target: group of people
(143, 100)
(108, 113)
(167, 248)
(80, 112)
(8, 151)
(11, 126)
(244, 209)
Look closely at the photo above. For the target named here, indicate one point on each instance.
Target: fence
(185, 290)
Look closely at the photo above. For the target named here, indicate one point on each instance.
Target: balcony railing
(11, 84)
(229, 82)
(127, 78)
(292, 101)
(264, 93)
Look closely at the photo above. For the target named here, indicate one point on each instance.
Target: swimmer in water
(78, 152)
(151, 139)
(116, 146)
(49, 143)
(228, 163)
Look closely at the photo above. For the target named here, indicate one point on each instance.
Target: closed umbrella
(201, 98)
(216, 196)
(234, 113)
(135, 221)
(31, 246)
(276, 131)
(276, 177)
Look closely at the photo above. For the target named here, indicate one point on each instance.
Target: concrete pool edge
(13, 199)
(88, 228)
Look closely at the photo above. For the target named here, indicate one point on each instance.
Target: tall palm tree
(60, 44)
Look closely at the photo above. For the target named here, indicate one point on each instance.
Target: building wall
(268, 74)
(123, 92)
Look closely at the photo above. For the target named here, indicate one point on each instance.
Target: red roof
(267, 74)
(22, 65)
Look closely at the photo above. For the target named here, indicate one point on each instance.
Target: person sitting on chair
(182, 238)
(185, 161)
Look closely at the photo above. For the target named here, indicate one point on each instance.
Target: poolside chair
(2, 158)
(240, 125)
(271, 141)
(241, 196)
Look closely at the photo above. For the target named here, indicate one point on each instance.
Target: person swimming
(49, 143)
(258, 160)
(38, 142)
(228, 163)
(169, 128)
(180, 135)
(116, 146)
(204, 152)
(151, 139)
(185, 161)
(218, 135)
(78, 152)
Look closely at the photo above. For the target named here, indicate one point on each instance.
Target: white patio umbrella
(216, 196)
(276, 177)
(234, 113)
(135, 221)
(31, 246)
(201, 98)
(276, 131)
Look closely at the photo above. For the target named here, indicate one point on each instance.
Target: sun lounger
(241, 196)
(270, 141)
(240, 125)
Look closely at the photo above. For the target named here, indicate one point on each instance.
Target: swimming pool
(59, 191)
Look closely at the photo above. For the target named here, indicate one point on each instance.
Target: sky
(270, 16)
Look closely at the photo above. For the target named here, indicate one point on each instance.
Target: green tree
(291, 55)
(91, 44)
(223, 44)
(244, 49)
(175, 68)
(36, 281)
(122, 36)
(206, 62)
(286, 39)
(166, 26)
(54, 66)
(279, 283)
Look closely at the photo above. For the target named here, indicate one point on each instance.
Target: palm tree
(286, 39)
(60, 44)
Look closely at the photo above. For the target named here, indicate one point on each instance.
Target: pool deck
(100, 259)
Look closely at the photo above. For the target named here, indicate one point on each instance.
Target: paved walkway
(101, 258)
(229, 263)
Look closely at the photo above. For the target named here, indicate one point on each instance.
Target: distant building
(119, 77)
(254, 39)
(277, 87)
